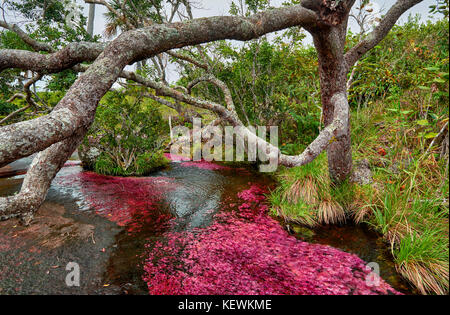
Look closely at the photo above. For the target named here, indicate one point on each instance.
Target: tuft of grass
(422, 258)
(408, 202)
(305, 196)
(417, 230)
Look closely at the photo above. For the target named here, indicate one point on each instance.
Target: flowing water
(201, 228)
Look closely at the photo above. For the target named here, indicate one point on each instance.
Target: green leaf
(439, 80)
(422, 122)
(431, 135)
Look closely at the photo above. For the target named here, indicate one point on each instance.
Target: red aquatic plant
(247, 252)
(244, 250)
(133, 202)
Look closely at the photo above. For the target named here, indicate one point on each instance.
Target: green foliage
(39, 9)
(50, 26)
(6, 108)
(130, 135)
(417, 230)
(399, 102)
(62, 81)
(134, 12)
(399, 61)
(248, 7)
(441, 6)
(272, 83)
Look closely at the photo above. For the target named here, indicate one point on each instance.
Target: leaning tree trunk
(333, 78)
(38, 179)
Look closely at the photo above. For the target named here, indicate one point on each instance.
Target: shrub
(127, 137)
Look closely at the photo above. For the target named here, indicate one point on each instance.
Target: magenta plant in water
(247, 252)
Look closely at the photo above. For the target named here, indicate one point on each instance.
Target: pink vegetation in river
(134, 202)
(186, 161)
(247, 252)
(203, 164)
(176, 158)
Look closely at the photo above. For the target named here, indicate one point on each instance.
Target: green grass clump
(305, 195)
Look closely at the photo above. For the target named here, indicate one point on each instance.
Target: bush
(127, 137)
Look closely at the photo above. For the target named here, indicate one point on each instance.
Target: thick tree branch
(39, 176)
(159, 38)
(323, 140)
(63, 59)
(327, 136)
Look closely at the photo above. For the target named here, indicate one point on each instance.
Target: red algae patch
(247, 252)
(133, 202)
(176, 158)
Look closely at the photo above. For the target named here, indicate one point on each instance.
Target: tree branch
(323, 140)
(220, 84)
(36, 45)
(188, 59)
(386, 24)
(157, 38)
(27, 96)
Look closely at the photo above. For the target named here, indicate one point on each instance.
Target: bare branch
(323, 140)
(220, 84)
(36, 45)
(27, 96)
(188, 59)
(386, 24)
(20, 110)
